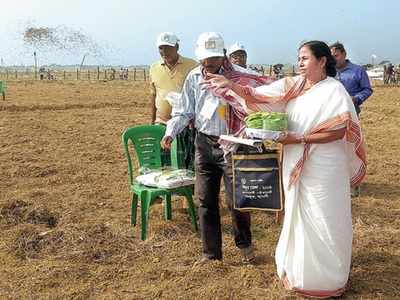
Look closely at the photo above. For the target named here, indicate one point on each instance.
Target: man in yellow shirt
(168, 75)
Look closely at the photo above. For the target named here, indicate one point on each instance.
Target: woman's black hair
(319, 50)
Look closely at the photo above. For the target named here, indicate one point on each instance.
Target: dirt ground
(65, 218)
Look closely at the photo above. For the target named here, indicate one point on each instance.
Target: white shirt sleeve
(244, 70)
(183, 112)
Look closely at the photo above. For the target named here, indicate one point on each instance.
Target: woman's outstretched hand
(217, 81)
(289, 138)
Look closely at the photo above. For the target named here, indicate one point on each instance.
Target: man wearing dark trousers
(356, 82)
(207, 111)
(210, 167)
(167, 75)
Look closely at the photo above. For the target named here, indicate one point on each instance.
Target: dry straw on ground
(64, 207)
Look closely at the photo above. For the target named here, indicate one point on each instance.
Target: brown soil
(65, 217)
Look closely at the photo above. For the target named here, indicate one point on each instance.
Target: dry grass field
(64, 207)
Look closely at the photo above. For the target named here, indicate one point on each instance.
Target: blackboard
(257, 182)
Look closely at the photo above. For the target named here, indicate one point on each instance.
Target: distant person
(390, 74)
(278, 71)
(42, 71)
(113, 72)
(237, 54)
(353, 77)
(168, 75)
(50, 76)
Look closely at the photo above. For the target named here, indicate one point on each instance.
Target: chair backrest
(146, 142)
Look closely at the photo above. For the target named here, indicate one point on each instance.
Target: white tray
(263, 134)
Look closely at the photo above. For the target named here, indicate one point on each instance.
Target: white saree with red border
(313, 254)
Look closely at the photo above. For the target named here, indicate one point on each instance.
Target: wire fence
(109, 73)
(133, 74)
(142, 74)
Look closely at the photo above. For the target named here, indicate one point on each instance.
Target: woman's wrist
(303, 139)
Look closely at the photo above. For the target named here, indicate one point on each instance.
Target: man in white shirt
(208, 113)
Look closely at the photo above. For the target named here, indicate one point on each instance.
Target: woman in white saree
(323, 156)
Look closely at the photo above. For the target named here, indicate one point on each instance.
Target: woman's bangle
(281, 136)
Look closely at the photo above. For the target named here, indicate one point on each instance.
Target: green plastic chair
(3, 89)
(146, 143)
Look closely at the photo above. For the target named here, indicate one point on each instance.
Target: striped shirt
(194, 100)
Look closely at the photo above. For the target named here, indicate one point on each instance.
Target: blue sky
(272, 30)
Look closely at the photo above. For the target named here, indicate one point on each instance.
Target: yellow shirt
(165, 81)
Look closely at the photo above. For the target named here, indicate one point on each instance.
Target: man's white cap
(236, 47)
(167, 38)
(209, 44)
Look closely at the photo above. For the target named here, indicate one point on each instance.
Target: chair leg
(134, 203)
(145, 208)
(168, 207)
(191, 210)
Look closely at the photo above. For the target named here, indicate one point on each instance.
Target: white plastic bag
(167, 179)
(263, 134)
(173, 99)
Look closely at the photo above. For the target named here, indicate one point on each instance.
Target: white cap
(236, 47)
(209, 44)
(168, 39)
